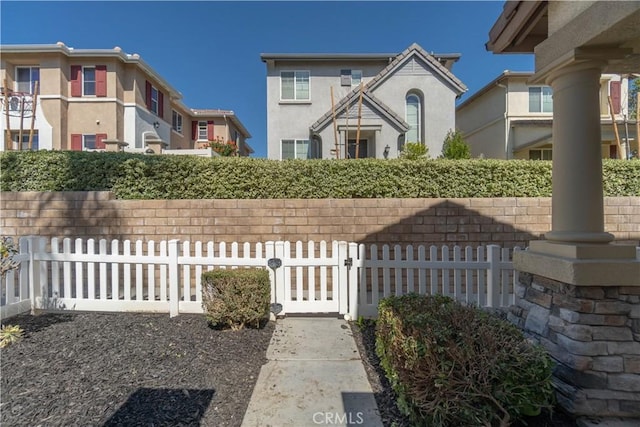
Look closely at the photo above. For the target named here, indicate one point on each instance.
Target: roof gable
(373, 104)
(414, 57)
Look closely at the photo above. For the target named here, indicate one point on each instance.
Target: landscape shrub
(137, 176)
(236, 298)
(452, 364)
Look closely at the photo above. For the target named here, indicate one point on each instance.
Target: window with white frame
(540, 154)
(26, 78)
(154, 99)
(25, 140)
(88, 142)
(88, 81)
(350, 77)
(294, 85)
(176, 121)
(298, 149)
(413, 116)
(540, 99)
(202, 131)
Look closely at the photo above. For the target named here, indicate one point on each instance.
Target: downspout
(508, 153)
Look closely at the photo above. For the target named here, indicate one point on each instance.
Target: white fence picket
(310, 279)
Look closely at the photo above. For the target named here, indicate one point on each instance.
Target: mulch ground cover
(128, 369)
(364, 336)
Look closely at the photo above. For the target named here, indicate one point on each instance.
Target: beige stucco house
(318, 105)
(92, 99)
(511, 118)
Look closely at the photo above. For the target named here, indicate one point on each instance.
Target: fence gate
(314, 277)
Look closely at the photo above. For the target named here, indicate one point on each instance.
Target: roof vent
(117, 49)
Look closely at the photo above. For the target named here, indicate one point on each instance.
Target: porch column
(577, 200)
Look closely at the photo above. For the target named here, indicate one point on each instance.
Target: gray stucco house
(317, 102)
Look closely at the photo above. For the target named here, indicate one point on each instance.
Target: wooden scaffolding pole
(34, 105)
(359, 120)
(335, 127)
(21, 131)
(615, 128)
(7, 132)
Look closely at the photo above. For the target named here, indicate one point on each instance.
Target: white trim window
(350, 77)
(154, 99)
(203, 134)
(541, 154)
(297, 149)
(295, 86)
(413, 114)
(26, 78)
(88, 81)
(176, 121)
(88, 142)
(540, 99)
(15, 137)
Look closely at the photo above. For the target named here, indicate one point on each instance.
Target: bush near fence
(136, 176)
(453, 364)
(236, 298)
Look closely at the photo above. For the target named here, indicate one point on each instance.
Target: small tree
(455, 147)
(414, 151)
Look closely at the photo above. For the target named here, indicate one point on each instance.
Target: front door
(358, 151)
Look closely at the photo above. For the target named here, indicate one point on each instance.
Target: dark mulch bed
(385, 397)
(95, 369)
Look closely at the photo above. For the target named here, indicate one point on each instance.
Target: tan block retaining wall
(505, 221)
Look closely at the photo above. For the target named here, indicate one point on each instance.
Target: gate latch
(348, 262)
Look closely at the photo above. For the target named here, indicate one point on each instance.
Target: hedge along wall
(466, 221)
(134, 176)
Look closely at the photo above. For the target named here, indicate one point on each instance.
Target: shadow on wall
(451, 223)
(71, 214)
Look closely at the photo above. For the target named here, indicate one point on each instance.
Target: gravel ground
(96, 369)
(385, 396)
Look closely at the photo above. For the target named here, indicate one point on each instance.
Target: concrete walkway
(314, 377)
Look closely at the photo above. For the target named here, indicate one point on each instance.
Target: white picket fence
(316, 277)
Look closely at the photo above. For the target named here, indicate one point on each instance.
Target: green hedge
(136, 176)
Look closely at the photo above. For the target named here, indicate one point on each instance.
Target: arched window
(414, 115)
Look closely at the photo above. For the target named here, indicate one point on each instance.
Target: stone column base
(592, 333)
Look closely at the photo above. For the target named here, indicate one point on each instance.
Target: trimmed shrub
(136, 176)
(451, 364)
(455, 147)
(236, 298)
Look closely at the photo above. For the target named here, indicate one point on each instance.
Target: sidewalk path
(314, 377)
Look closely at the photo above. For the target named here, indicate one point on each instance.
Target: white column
(577, 200)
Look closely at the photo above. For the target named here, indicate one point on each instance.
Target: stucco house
(92, 99)
(319, 104)
(511, 118)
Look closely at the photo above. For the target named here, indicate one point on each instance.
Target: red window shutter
(148, 94)
(615, 96)
(194, 130)
(76, 142)
(100, 137)
(76, 80)
(160, 104)
(210, 130)
(101, 80)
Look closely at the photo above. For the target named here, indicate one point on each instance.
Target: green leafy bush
(455, 147)
(414, 151)
(136, 176)
(452, 364)
(236, 298)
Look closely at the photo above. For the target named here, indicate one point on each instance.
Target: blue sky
(210, 50)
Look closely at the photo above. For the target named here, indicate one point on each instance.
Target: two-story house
(510, 118)
(358, 105)
(88, 99)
